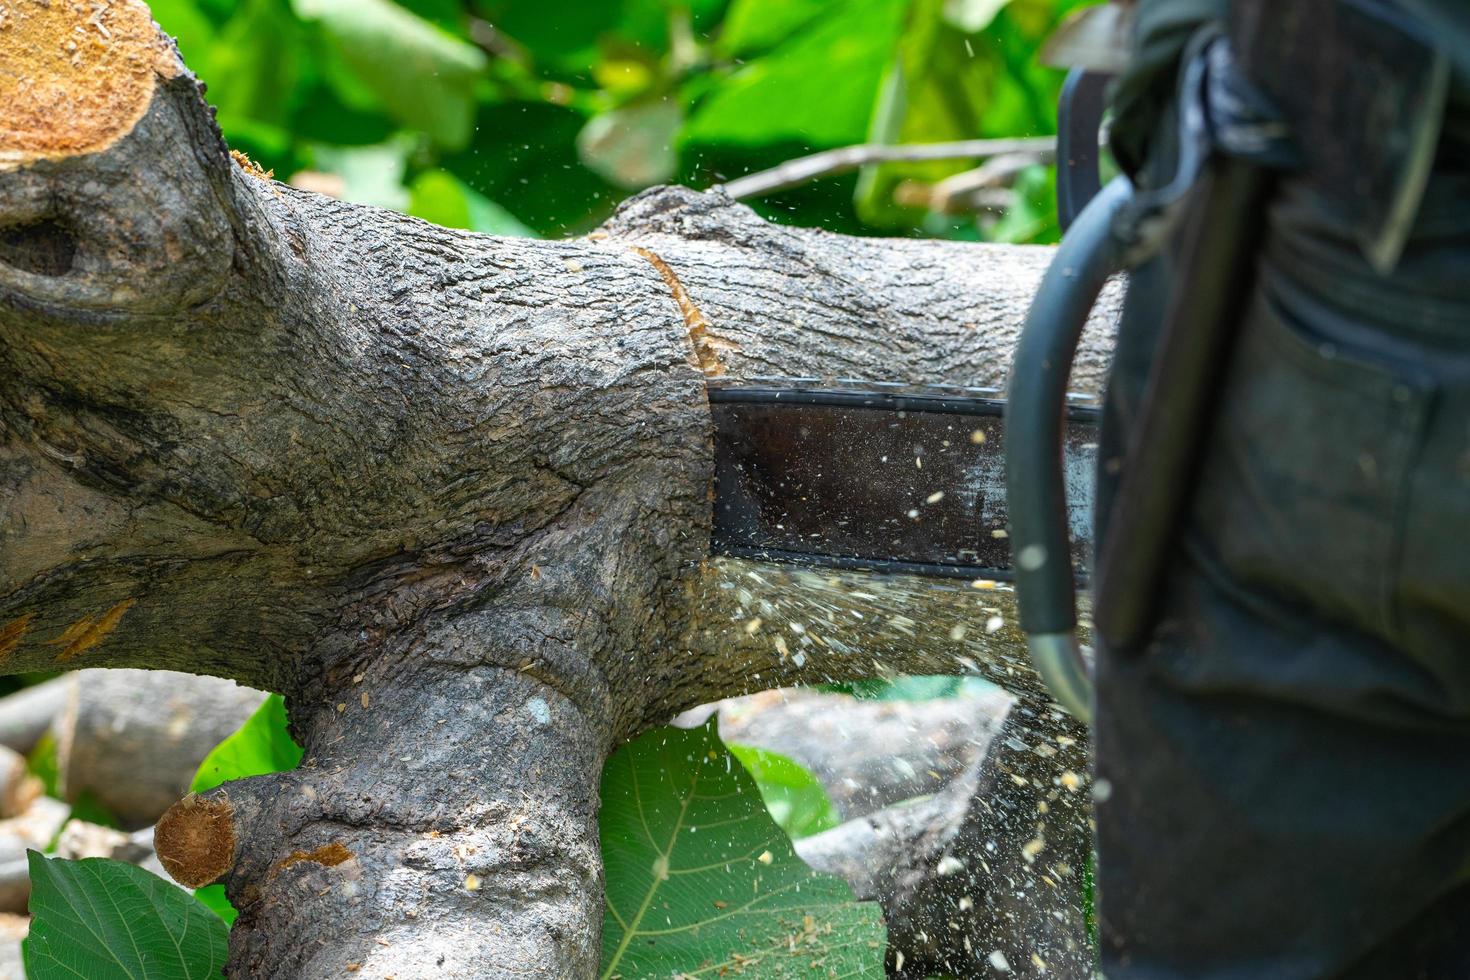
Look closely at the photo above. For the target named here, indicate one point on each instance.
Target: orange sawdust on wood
(250, 167)
(87, 632)
(12, 633)
(77, 76)
(707, 345)
(328, 856)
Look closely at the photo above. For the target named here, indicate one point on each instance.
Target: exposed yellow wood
(12, 633)
(78, 75)
(87, 632)
(706, 344)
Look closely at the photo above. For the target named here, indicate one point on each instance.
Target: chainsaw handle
(1036, 410)
(1080, 112)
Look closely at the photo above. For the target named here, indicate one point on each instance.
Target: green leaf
(448, 14)
(633, 147)
(949, 83)
(441, 197)
(423, 75)
(936, 91)
(815, 89)
(325, 117)
(752, 26)
(261, 745)
(794, 797)
(104, 919)
(701, 881)
(213, 898)
(569, 35)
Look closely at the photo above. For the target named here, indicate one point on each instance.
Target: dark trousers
(1284, 770)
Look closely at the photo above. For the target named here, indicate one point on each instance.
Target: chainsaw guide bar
(889, 478)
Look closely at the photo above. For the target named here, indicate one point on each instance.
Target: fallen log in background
(13, 929)
(34, 829)
(27, 714)
(133, 739)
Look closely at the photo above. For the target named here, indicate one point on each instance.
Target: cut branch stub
(195, 840)
(78, 76)
(112, 176)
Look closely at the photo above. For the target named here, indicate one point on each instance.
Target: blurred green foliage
(262, 745)
(537, 118)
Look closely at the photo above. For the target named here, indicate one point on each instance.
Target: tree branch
(792, 173)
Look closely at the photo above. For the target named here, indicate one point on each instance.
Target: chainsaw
(903, 479)
(828, 474)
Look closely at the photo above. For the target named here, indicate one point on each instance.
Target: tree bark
(448, 493)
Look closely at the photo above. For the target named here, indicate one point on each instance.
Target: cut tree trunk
(448, 493)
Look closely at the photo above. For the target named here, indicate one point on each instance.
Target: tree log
(17, 786)
(133, 739)
(448, 493)
(27, 714)
(13, 929)
(32, 830)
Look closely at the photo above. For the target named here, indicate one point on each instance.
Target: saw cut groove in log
(448, 493)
